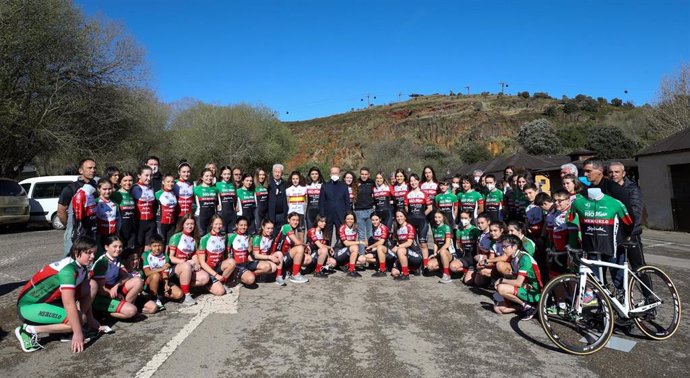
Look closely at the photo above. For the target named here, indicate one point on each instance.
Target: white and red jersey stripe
(297, 199)
(107, 216)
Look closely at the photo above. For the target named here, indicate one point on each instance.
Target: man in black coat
(277, 200)
(156, 175)
(334, 202)
(594, 171)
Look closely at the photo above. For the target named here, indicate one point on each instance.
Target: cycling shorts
(42, 313)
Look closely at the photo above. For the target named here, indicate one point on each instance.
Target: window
(44, 190)
(58, 188)
(11, 189)
(26, 187)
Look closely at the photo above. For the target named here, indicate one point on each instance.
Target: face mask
(465, 222)
(456, 185)
(335, 177)
(491, 186)
(154, 169)
(585, 181)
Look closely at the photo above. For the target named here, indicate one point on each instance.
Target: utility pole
(503, 86)
(399, 96)
(369, 98)
(468, 90)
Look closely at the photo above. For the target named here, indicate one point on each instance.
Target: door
(680, 203)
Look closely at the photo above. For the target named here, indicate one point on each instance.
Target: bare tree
(672, 111)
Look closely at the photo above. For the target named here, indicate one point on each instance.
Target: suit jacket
(276, 198)
(334, 200)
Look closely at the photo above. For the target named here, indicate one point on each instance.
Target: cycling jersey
(528, 245)
(144, 200)
(228, 196)
(238, 247)
(441, 233)
(430, 188)
(497, 247)
(107, 268)
(296, 197)
(314, 235)
(382, 197)
(184, 191)
(167, 206)
(313, 192)
(534, 218)
(381, 233)
(417, 202)
(126, 206)
(484, 243)
(182, 246)
(206, 200)
(493, 205)
(107, 217)
(561, 231)
(153, 262)
(347, 234)
(470, 201)
(446, 203)
(247, 202)
(261, 199)
(468, 238)
(84, 206)
(47, 285)
(405, 233)
(282, 242)
(600, 223)
(527, 267)
(215, 247)
(262, 245)
(400, 193)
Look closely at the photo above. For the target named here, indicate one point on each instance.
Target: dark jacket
(156, 181)
(636, 202)
(334, 200)
(365, 195)
(277, 200)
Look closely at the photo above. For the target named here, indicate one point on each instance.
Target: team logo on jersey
(215, 244)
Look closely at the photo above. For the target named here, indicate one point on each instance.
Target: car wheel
(55, 222)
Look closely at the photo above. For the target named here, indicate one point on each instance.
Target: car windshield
(10, 188)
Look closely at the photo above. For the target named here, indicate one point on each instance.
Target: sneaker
(588, 300)
(188, 300)
(379, 273)
(280, 281)
(28, 341)
(320, 274)
(556, 309)
(354, 274)
(159, 304)
(299, 278)
(528, 312)
(344, 268)
(445, 279)
(405, 277)
(417, 272)
(228, 289)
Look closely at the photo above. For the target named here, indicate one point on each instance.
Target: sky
(308, 59)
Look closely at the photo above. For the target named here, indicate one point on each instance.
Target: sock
(185, 288)
(318, 267)
(446, 271)
(30, 329)
(425, 262)
(351, 267)
(382, 267)
(405, 271)
(279, 272)
(295, 269)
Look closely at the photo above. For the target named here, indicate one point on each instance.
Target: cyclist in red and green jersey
(206, 195)
(493, 203)
(523, 292)
(124, 200)
(292, 248)
(184, 189)
(466, 239)
(145, 202)
(181, 249)
(84, 206)
(213, 257)
(470, 200)
(262, 244)
(167, 208)
(246, 202)
(447, 203)
(261, 196)
(239, 247)
(443, 246)
(228, 199)
(48, 301)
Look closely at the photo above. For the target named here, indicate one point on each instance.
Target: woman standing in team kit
(383, 198)
(107, 212)
(125, 202)
(228, 199)
(418, 207)
(184, 189)
(206, 200)
(400, 189)
(167, 208)
(145, 202)
(429, 185)
(297, 200)
(246, 202)
(471, 200)
(315, 180)
(261, 194)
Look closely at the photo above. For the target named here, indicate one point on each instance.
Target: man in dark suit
(277, 200)
(334, 202)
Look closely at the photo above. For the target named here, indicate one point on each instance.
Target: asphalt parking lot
(332, 327)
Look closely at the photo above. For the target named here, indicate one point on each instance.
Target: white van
(43, 193)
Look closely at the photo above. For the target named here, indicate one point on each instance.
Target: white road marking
(657, 245)
(645, 240)
(206, 305)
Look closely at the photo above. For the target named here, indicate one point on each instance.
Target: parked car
(14, 205)
(43, 193)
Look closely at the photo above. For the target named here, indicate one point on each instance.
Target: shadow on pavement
(515, 325)
(9, 287)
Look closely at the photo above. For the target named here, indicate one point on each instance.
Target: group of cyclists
(136, 240)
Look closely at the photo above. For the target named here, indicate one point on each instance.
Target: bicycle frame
(623, 309)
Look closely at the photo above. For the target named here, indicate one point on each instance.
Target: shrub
(538, 137)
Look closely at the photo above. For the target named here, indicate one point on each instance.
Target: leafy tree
(538, 137)
(551, 111)
(610, 143)
(617, 102)
(524, 94)
(572, 136)
(570, 106)
(472, 152)
(589, 105)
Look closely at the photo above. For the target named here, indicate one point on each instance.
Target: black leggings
(229, 219)
(386, 216)
(166, 231)
(311, 217)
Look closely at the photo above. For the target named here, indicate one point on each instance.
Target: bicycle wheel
(662, 321)
(580, 333)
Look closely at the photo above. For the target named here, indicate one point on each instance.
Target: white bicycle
(577, 309)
